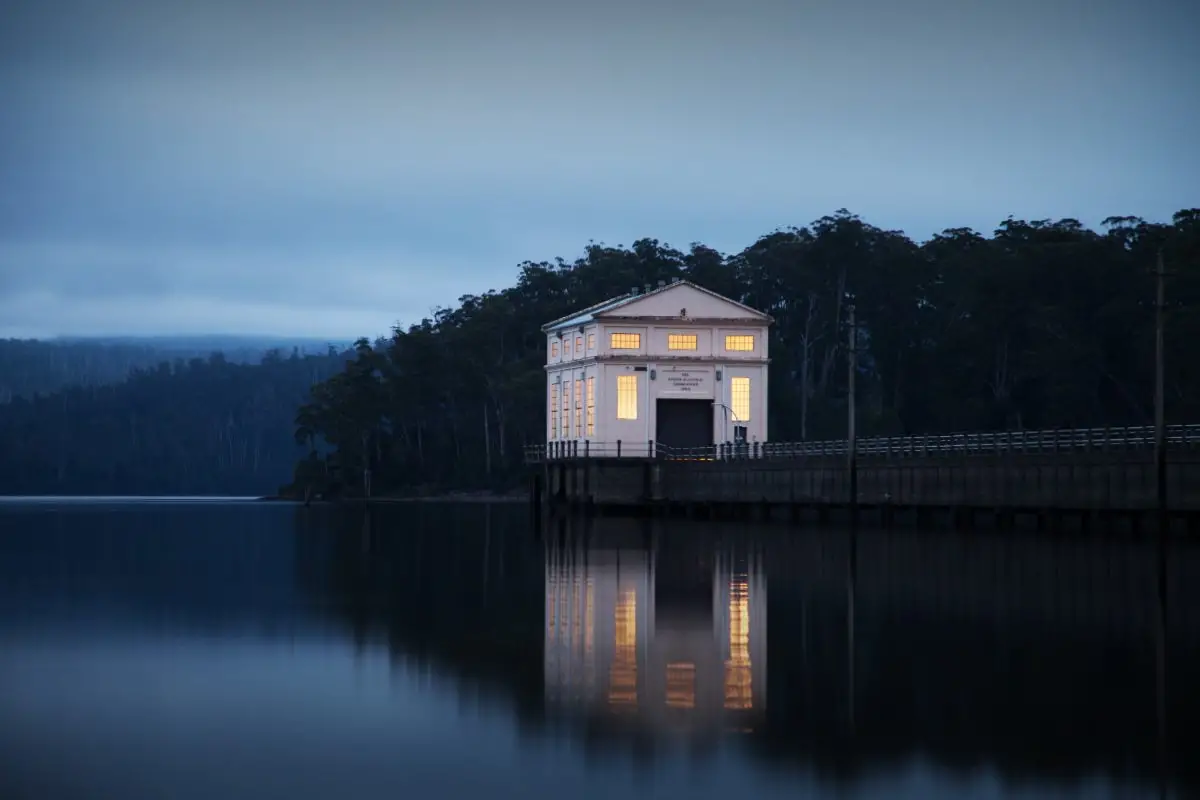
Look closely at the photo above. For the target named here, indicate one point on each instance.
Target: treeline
(33, 366)
(1043, 324)
(200, 426)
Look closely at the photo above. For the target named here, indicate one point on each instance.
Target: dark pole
(851, 433)
(1160, 427)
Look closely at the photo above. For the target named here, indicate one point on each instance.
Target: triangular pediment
(670, 301)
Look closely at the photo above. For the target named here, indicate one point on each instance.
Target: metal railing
(1041, 441)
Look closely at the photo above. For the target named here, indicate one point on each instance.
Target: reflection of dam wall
(610, 649)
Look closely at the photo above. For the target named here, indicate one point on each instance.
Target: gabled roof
(591, 313)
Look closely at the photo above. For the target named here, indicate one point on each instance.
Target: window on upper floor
(681, 341)
(554, 349)
(591, 341)
(625, 341)
(554, 411)
(579, 345)
(739, 342)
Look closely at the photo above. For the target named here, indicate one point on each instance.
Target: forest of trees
(1042, 324)
(195, 427)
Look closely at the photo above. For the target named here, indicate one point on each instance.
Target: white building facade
(677, 365)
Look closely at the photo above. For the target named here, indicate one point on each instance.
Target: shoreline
(389, 500)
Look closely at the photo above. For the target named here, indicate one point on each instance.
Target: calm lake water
(256, 650)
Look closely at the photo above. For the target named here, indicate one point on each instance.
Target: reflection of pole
(851, 579)
(1160, 658)
(852, 442)
(1160, 428)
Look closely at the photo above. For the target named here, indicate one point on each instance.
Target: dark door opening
(684, 423)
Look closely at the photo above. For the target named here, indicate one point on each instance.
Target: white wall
(677, 373)
(672, 379)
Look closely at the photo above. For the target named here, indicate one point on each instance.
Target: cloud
(381, 157)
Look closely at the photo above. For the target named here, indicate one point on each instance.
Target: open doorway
(684, 423)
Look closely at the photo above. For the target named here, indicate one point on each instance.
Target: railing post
(618, 448)
(650, 448)
(587, 447)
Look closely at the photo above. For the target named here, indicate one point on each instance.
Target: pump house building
(678, 365)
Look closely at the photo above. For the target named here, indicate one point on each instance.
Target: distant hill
(32, 366)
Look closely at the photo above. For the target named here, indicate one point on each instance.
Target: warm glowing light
(554, 349)
(578, 409)
(589, 636)
(739, 691)
(681, 685)
(739, 396)
(739, 343)
(579, 345)
(554, 411)
(681, 341)
(622, 676)
(627, 396)
(625, 341)
(591, 341)
(566, 418)
(591, 406)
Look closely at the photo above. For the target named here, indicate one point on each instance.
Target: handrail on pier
(1039, 441)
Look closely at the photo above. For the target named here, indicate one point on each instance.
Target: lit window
(591, 341)
(739, 396)
(739, 343)
(554, 349)
(626, 341)
(566, 414)
(566, 348)
(578, 409)
(681, 341)
(591, 406)
(554, 411)
(579, 345)
(627, 396)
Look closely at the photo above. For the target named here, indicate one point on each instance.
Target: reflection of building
(626, 638)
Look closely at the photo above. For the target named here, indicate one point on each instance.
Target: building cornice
(640, 360)
(685, 322)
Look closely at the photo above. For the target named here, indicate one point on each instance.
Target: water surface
(202, 650)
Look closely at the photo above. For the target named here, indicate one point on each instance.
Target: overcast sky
(329, 169)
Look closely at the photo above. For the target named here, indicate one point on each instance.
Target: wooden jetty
(1088, 474)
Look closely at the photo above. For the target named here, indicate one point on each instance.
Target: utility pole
(852, 441)
(1160, 427)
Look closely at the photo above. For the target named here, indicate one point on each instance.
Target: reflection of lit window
(589, 636)
(627, 401)
(578, 409)
(739, 343)
(681, 685)
(626, 341)
(591, 406)
(739, 396)
(622, 676)
(738, 689)
(554, 411)
(681, 341)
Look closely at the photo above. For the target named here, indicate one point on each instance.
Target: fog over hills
(29, 366)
